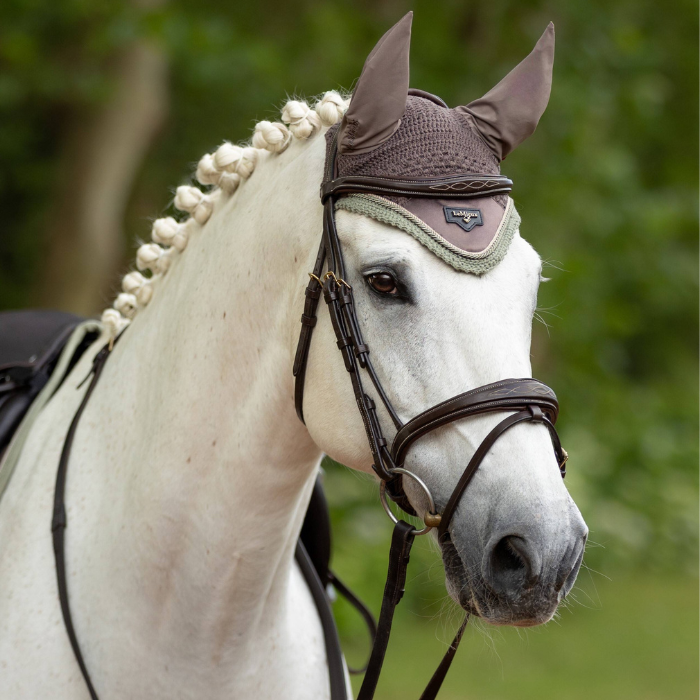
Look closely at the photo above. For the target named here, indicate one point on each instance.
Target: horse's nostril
(510, 565)
(506, 555)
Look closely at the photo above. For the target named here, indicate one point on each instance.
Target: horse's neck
(202, 455)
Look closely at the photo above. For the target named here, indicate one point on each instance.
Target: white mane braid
(222, 172)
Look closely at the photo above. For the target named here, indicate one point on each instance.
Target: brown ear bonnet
(390, 131)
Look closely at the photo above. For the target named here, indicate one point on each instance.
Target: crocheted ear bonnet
(390, 130)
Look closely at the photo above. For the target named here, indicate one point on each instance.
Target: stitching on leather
(425, 430)
(466, 411)
(426, 181)
(472, 392)
(439, 421)
(412, 193)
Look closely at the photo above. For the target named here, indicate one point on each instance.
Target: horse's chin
(529, 608)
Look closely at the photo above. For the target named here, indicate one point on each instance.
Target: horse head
(443, 315)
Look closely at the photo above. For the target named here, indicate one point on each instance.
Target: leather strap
(504, 395)
(433, 687)
(59, 521)
(353, 349)
(455, 187)
(367, 616)
(334, 654)
(475, 463)
(399, 554)
(308, 321)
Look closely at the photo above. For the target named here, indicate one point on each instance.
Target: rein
(525, 399)
(59, 521)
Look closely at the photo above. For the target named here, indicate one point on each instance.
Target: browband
(454, 186)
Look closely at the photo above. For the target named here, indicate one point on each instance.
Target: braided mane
(221, 172)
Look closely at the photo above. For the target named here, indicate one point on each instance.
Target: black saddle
(30, 345)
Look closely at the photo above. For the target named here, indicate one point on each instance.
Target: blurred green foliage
(603, 649)
(627, 635)
(607, 190)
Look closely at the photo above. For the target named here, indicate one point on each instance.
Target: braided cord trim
(387, 212)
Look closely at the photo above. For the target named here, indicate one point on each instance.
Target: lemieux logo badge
(466, 218)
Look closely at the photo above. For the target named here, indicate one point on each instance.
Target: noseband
(523, 399)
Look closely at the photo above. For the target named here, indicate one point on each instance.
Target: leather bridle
(524, 399)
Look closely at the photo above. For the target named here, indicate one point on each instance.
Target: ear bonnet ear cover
(416, 137)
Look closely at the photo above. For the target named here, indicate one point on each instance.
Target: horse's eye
(382, 282)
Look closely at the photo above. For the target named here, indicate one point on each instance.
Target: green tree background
(607, 189)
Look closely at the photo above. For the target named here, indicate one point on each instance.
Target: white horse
(190, 472)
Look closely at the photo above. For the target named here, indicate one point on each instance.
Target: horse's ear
(507, 114)
(379, 99)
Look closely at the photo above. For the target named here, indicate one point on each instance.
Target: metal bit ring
(430, 516)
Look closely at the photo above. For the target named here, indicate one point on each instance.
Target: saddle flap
(316, 532)
(29, 340)
(30, 345)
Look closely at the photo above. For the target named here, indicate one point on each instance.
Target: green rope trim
(387, 212)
